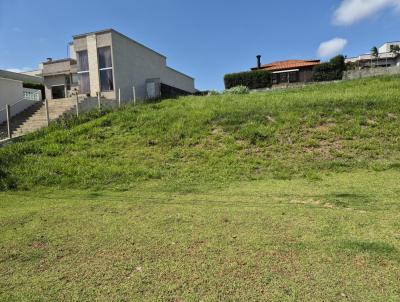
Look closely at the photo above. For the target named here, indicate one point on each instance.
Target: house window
(283, 77)
(68, 82)
(275, 78)
(83, 71)
(75, 79)
(105, 69)
(293, 76)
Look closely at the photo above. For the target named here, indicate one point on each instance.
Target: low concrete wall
(370, 72)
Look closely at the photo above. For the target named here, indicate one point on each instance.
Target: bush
(237, 90)
(330, 71)
(35, 86)
(212, 92)
(251, 79)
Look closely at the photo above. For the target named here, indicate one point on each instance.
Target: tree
(330, 71)
(375, 54)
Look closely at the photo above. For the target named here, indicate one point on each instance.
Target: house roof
(288, 64)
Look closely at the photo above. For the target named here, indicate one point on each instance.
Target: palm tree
(375, 54)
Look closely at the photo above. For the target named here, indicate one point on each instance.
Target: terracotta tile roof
(288, 64)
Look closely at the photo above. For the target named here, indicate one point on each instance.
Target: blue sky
(204, 39)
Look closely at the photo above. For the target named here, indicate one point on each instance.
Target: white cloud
(351, 11)
(19, 70)
(332, 47)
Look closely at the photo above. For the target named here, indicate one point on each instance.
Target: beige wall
(93, 65)
(57, 67)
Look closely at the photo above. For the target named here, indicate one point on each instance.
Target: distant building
(385, 57)
(108, 62)
(289, 71)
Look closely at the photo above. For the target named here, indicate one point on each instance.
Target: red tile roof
(289, 64)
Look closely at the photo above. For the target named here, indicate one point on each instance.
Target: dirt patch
(314, 202)
(218, 131)
(325, 147)
(324, 127)
(38, 245)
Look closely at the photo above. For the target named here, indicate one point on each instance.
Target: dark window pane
(105, 60)
(83, 63)
(294, 77)
(75, 79)
(68, 82)
(84, 83)
(106, 80)
(275, 78)
(284, 77)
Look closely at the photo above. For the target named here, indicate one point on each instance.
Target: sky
(202, 38)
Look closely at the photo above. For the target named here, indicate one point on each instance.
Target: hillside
(277, 196)
(193, 141)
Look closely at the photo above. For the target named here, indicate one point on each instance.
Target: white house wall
(177, 79)
(133, 65)
(11, 92)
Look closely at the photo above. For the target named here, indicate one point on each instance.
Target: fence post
(134, 94)
(8, 114)
(98, 101)
(119, 98)
(46, 105)
(77, 105)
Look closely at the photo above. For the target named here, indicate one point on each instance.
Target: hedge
(330, 71)
(251, 79)
(35, 86)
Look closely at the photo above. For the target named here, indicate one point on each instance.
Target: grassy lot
(283, 240)
(281, 196)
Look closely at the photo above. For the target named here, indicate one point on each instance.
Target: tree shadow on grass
(375, 248)
(344, 199)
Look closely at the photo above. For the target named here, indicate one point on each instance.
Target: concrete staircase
(34, 118)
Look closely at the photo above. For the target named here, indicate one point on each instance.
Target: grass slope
(197, 140)
(286, 196)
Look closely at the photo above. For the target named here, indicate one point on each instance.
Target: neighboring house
(13, 93)
(21, 77)
(37, 72)
(385, 58)
(289, 71)
(107, 62)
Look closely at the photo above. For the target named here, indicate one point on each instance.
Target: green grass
(284, 196)
(281, 240)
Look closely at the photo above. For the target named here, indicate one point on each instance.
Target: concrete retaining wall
(370, 72)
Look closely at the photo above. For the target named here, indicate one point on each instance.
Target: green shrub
(237, 90)
(35, 86)
(330, 71)
(213, 92)
(251, 79)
